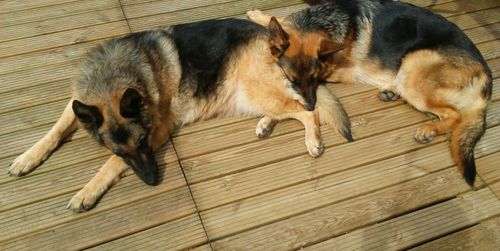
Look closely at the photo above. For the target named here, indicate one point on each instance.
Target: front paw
(425, 134)
(84, 200)
(315, 147)
(23, 164)
(387, 96)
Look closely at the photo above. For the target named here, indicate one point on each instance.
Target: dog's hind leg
(39, 152)
(265, 127)
(109, 174)
(261, 18)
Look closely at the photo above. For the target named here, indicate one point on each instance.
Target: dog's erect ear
(328, 48)
(87, 114)
(131, 104)
(279, 38)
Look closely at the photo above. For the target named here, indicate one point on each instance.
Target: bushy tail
(464, 139)
(332, 113)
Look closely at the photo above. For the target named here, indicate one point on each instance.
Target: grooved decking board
(54, 11)
(180, 234)
(222, 10)
(275, 205)
(495, 187)
(339, 218)
(488, 168)
(110, 224)
(60, 24)
(49, 41)
(16, 5)
(416, 227)
(483, 236)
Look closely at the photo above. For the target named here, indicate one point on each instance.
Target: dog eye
(119, 153)
(142, 141)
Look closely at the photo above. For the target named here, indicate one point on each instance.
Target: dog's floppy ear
(87, 114)
(328, 48)
(278, 40)
(131, 104)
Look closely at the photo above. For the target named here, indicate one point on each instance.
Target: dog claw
(387, 96)
(424, 135)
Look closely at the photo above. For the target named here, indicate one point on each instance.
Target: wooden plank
(62, 38)
(346, 181)
(31, 60)
(108, 225)
(494, 65)
(488, 169)
(181, 234)
(458, 7)
(39, 76)
(344, 216)
(411, 229)
(209, 12)
(15, 5)
(245, 184)
(242, 185)
(36, 116)
(484, 236)
(161, 7)
(484, 33)
(252, 155)
(60, 24)
(489, 50)
(476, 19)
(55, 11)
(495, 187)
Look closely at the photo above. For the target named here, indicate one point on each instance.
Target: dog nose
(309, 106)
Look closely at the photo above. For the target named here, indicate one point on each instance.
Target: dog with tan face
(406, 52)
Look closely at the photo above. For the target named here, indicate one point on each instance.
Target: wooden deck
(224, 189)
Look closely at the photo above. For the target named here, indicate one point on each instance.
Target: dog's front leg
(311, 123)
(39, 152)
(109, 174)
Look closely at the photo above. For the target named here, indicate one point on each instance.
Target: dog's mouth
(145, 166)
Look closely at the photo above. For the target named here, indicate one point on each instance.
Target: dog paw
(264, 128)
(83, 201)
(315, 148)
(254, 14)
(425, 134)
(387, 96)
(23, 164)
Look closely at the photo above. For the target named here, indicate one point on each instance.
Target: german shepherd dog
(130, 94)
(405, 51)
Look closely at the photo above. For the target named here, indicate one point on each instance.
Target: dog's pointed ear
(88, 115)
(278, 40)
(328, 48)
(131, 104)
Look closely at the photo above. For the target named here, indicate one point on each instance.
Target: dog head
(304, 57)
(122, 124)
